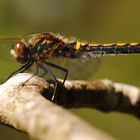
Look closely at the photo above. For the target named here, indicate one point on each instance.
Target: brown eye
(19, 48)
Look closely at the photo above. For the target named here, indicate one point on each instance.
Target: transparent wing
(79, 68)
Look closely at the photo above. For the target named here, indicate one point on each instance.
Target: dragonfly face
(20, 52)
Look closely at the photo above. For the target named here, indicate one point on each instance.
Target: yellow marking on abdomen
(134, 44)
(108, 44)
(79, 44)
(121, 44)
(93, 45)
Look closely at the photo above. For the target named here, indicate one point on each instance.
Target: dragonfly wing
(79, 68)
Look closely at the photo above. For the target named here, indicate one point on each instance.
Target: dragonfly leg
(60, 68)
(35, 73)
(21, 69)
(47, 70)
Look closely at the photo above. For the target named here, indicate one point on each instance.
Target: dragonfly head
(20, 52)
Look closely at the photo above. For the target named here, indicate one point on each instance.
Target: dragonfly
(45, 49)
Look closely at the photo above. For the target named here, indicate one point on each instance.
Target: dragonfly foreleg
(21, 69)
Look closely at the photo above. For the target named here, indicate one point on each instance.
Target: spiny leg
(60, 68)
(47, 70)
(21, 69)
(35, 73)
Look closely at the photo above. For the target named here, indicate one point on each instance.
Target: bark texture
(23, 107)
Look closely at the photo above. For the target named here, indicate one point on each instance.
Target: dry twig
(24, 108)
(104, 95)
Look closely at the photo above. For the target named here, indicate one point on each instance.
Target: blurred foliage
(93, 21)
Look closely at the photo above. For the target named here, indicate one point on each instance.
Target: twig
(23, 107)
(104, 95)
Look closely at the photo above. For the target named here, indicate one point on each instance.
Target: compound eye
(19, 48)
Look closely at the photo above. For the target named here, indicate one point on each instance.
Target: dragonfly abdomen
(104, 49)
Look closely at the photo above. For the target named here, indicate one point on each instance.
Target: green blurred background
(102, 21)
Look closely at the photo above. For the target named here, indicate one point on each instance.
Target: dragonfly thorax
(20, 52)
